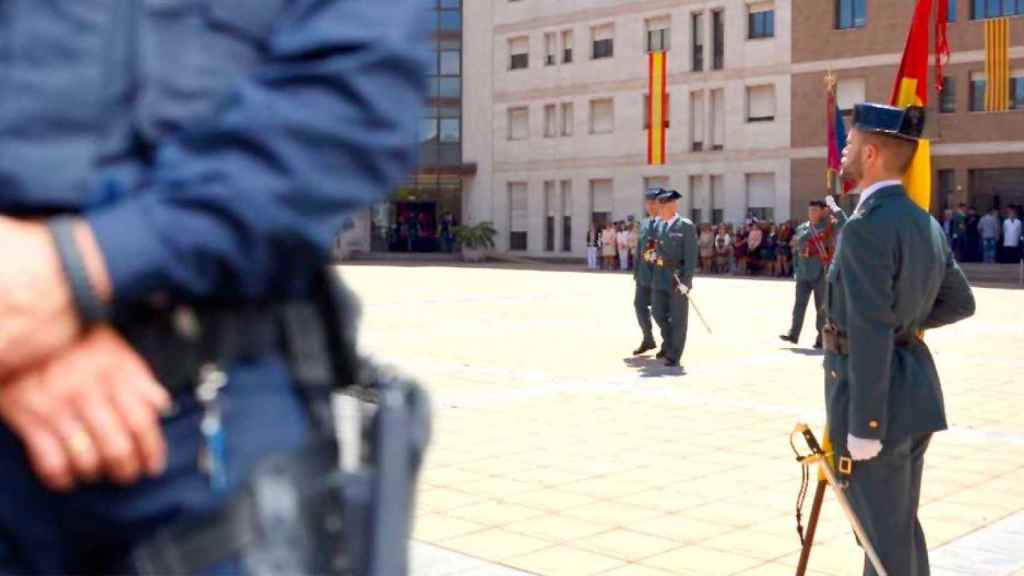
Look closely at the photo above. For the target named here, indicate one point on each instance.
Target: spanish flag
(997, 65)
(656, 109)
(911, 89)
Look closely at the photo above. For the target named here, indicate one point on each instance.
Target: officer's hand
(91, 412)
(39, 318)
(861, 449)
(683, 289)
(831, 202)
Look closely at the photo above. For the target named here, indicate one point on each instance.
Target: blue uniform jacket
(215, 146)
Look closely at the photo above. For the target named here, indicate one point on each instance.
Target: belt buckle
(845, 466)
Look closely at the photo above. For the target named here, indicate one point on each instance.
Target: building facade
(978, 156)
(554, 113)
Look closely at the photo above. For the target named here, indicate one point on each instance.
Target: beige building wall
(619, 156)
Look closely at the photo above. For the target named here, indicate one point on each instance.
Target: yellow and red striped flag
(911, 89)
(997, 65)
(656, 108)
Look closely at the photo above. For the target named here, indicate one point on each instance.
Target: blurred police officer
(815, 246)
(893, 276)
(674, 265)
(172, 163)
(643, 270)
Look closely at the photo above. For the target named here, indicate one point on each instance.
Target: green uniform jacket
(893, 275)
(811, 269)
(677, 249)
(643, 271)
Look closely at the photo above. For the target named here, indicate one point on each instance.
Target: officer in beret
(643, 270)
(893, 277)
(173, 177)
(816, 241)
(674, 264)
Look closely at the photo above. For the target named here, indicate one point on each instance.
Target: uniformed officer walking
(643, 270)
(168, 168)
(893, 277)
(816, 240)
(674, 265)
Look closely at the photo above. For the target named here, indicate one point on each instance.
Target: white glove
(683, 289)
(862, 449)
(831, 202)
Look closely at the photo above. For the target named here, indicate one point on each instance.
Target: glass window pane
(450, 88)
(993, 8)
(450, 44)
(450, 3)
(845, 13)
(860, 14)
(428, 129)
(432, 67)
(951, 11)
(451, 63)
(449, 112)
(450, 130)
(451, 20)
(978, 9)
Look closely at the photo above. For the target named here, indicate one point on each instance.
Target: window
(761, 21)
(566, 206)
(761, 196)
(568, 119)
(518, 123)
(947, 98)
(600, 201)
(550, 49)
(550, 121)
(518, 216)
(550, 215)
(947, 187)
(718, 39)
(451, 20)
(446, 87)
(977, 92)
(718, 119)
(451, 63)
(602, 116)
(567, 47)
(519, 53)
(761, 103)
(1017, 90)
(697, 33)
(658, 35)
(647, 111)
(851, 14)
(451, 130)
(697, 121)
(428, 130)
(717, 200)
(850, 92)
(604, 42)
(981, 9)
(951, 11)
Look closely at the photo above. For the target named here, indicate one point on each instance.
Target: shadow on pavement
(806, 351)
(651, 367)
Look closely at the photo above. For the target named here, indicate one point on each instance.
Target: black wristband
(91, 308)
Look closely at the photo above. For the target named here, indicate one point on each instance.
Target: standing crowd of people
(613, 246)
(993, 237)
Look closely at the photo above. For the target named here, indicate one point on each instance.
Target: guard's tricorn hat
(653, 193)
(667, 196)
(902, 123)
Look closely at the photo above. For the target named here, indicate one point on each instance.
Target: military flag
(836, 139)
(911, 89)
(656, 108)
(997, 65)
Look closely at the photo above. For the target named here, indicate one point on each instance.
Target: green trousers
(672, 313)
(642, 304)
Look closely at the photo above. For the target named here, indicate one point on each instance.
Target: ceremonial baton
(689, 297)
(819, 457)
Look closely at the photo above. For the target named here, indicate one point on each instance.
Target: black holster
(303, 512)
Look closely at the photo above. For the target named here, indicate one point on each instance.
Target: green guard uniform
(676, 255)
(809, 271)
(643, 272)
(893, 276)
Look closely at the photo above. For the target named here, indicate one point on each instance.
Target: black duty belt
(177, 341)
(835, 341)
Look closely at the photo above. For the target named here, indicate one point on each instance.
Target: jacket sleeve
(955, 301)
(690, 253)
(246, 205)
(841, 219)
(867, 271)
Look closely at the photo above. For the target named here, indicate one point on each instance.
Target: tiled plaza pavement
(555, 453)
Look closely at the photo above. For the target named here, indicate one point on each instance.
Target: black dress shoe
(645, 347)
(671, 363)
(788, 338)
(817, 343)
(661, 354)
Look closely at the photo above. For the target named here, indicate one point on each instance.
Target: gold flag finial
(830, 82)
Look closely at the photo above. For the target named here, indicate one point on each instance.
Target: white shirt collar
(674, 219)
(875, 188)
